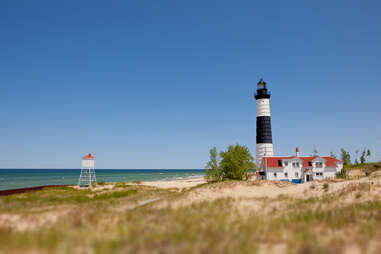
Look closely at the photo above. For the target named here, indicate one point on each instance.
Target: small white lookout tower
(87, 177)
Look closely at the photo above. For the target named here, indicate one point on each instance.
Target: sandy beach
(179, 183)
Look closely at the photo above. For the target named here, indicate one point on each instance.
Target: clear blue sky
(156, 84)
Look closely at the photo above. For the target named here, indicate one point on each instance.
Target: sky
(156, 84)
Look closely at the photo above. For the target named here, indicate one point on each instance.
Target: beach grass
(115, 222)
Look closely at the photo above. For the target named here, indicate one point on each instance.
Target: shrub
(343, 173)
(326, 186)
(235, 162)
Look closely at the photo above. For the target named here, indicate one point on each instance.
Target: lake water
(21, 178)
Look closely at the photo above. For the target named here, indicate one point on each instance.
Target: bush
(343, 173)
(236, 161)
(326, 186)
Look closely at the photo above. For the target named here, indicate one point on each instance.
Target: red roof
(89, 156)
(275, 162)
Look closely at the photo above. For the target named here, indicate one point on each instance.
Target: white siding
(330, 172)
(270, 174)
(293, 172)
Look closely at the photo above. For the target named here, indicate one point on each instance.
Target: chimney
(297, 151)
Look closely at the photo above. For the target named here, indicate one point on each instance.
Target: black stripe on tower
(264, 130)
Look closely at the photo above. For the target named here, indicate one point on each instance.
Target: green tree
(213, 170)
(333, 155)
(345, 157)
(236, 161)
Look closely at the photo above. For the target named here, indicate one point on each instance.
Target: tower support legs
(87, 178)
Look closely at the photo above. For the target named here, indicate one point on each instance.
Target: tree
(213, 170)
(236, 161)
(365, 153)
(333, 155)
(362, 157)
(345, 157)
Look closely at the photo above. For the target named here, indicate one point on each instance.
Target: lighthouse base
(265, 149)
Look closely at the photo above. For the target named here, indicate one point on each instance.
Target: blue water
(21, 178)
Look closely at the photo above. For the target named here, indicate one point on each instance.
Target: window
(295, 164)
(296, 174)
(319, 173)
(286, 163)
(274, 175)
(286, 174)
(319, 164)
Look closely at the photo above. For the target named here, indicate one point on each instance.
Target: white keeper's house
(299, 169)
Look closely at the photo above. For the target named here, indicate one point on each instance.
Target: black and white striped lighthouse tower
(264, 137)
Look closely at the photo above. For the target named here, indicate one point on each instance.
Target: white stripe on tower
(264, 145)
(263, 107)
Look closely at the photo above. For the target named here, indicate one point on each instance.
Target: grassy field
(140, 219)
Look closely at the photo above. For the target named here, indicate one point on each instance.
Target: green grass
(59, 196)
(115, 194)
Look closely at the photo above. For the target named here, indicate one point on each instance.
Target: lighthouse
(264, 145)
